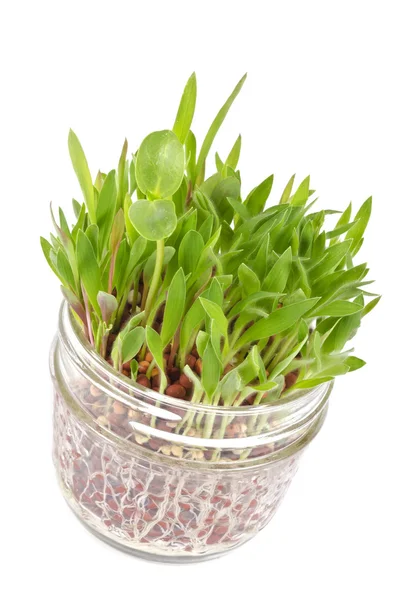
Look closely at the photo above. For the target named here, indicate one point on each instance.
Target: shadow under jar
(163, 478)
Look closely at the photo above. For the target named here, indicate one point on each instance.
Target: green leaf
(82, 172)
(135, 255)
(49, 251)
(341, 333)
(333, 235)
(229, 187)
(190, 145)
(301, 195)
(105, 209)
(309, 383)
(123, 179)
(211, 370)
(65, 270)
(257, 198)
(186, 109)
(369, 307)
(278, 321)
(174, 310)
(278, 276)
(132, 342)
(361, 220)
(206, 228)
(287, 191)
(92, 233)
(118, 229)
(160, 165)
(249, 369)
(239, 208)
(108, 305)
(338, 308)
(190, 251)
(134, 367)
(331, 258)
(74, 303)
(88, 269)
(252, 299)
(153, 220)
(76, 206)
(233, 156)
(248, 279)
(354, 363)
(215, 126)
(283, 364)
(215, 312)
(202, 341)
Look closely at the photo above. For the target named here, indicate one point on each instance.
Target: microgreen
(167, 263)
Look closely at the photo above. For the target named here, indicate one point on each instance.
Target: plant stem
(155, 279)
(270, 351)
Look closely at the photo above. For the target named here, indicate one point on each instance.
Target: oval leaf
(160, 164)
(153, 220)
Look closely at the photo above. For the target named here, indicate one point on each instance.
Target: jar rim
(89, 361)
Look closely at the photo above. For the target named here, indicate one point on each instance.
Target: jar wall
(166, 478)
(149, 506)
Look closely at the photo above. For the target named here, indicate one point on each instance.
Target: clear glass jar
(161, 477)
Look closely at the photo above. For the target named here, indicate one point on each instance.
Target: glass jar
(164, 478)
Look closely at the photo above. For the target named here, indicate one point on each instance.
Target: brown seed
(185, 382)
(126, 366)
(143, 366)
(143, 380)
(149, 357)
(290, 379)
(156, 389)
(191, 361)
(118, 408)
(156, 381)
(95, 392)
(177, 451)
(111, 338)
(176, 391)
(174, 373)
(194, 352)
(155, 371)
(115, 419)
(199, 366)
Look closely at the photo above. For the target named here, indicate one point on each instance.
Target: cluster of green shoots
(167, 261)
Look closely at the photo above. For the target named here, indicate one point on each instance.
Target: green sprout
(190, 288)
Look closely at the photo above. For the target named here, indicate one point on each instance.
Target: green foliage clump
(168, 264)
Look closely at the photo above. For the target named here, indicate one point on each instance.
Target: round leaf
(160, 164)
(153, 220)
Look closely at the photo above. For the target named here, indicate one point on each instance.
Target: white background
(326, 94)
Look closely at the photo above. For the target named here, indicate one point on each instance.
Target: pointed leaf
(83, 174)
(278, 321)
(132, 342)
(216, 124)
(186, 109)
(174, 310)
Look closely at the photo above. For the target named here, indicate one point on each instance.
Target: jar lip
(85, 356)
